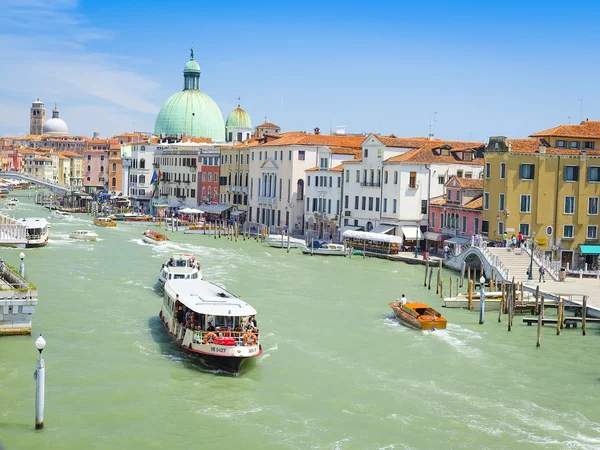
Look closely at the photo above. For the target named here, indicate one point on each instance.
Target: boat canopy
(207, 298)
(238, 212)
(370, 236)
(382, 229)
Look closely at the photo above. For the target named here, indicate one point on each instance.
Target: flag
(154, 177)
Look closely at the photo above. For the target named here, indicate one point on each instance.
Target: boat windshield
(426, 312)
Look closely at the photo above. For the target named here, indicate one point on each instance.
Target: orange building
(115, 169)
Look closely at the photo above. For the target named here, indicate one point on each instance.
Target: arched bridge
(57, 188)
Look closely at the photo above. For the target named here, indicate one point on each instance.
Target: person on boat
(171, 262)
(402, 300)
(446, 251)
(210, 327)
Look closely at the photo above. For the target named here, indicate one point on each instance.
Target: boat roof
(33, 222)
(207, 298)
(84, 231)
(182, 256)
(415, 305)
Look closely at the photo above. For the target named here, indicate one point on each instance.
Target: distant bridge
(57, 188)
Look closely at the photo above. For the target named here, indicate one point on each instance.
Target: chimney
(430, 137)
(317, 130)
(340, 129)
(542, 149)
(96, 135)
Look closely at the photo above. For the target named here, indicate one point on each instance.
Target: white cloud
(53, 63)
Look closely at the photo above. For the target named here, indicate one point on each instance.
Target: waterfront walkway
(574, 289)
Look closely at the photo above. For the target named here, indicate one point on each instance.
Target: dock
(12, 233)
(568, 322)
(18, 298)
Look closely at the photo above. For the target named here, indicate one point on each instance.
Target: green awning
(590, 249)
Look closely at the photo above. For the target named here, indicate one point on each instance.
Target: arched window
(209, 176)
(203, 192)
(114, 182)
(216, 195)
(142, 163)
(203, 176)
(142, 179)
(101, 168)
(251, 186)
(114, 167)
(89, 169)
(300, 190)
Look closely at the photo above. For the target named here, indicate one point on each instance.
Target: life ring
(250, 339)
(209, 337)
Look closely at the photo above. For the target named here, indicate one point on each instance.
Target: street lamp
(22, 266)
(40, 379)
(481, 299)
(530, 277)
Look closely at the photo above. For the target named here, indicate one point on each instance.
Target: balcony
(243, 189)
(371, 184)
(267, 200)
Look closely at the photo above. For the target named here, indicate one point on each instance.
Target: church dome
(55, 126)
(190, 111)
(238, 119)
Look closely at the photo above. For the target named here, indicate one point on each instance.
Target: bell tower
(37, 117)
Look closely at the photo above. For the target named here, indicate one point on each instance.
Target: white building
(140, 169)
(388, 190)
(324, 191)
(277, 173)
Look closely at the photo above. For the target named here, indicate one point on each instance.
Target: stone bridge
(54, 187)
(480, 258)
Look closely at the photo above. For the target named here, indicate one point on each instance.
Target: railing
(213, 337)
(243, 189)
(371, 184)
(493, 260)
(552, 267)
(450, 231)
(267, 200)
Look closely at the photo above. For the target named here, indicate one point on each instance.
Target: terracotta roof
(393, 141)
(267, 125)
(586, 129)
(312, 169)
(71, 154)
(296, 138)
(532, 145)
(476, 203)
(470, 183)
(253, 142)
(338, 168)
(438, 202)
(63, 157)
(345, 151)
(95, 151)
(426, 154)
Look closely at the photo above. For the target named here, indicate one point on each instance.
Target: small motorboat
(204, 228)
(104, 222)
(62, 215)
(83, 235)
(324, 248)
(281, 241)
(154, 238)
(418, 315)
(12, 203)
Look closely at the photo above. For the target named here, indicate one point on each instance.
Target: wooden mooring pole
(430, 276)
(441, 288)
(502, 300)
(583, 315)
(426, 270)
(559, 318)
(450, 286)
(509, 300)
(462, 274)
(470, 294)
(540, 318)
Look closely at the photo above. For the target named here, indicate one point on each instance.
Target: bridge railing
(27, 177)
(493, 260)
(551, 266)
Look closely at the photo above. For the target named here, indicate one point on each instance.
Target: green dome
(191, 66)
(239, 119)
(192, 113)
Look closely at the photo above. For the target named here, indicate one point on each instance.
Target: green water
(337, 372)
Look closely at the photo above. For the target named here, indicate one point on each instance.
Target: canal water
(338, 371)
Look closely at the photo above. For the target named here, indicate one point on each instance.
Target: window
(486, 200)
(441, 180)
(329, 206)
(571, 173)
(114, 167)
(568, 232)
(469, 175)
(488, 170)
(314, 208)
(290, 155)
(412, 182)
(501, 202)
(252, 156)
(308, 181)
(364, 203)
(594, 174)
(588, 145)
(485, 226)
(339, 181)
(395, 177)
(347, 176)
(560, 144)
(356, 202)
(574, 144)
(330, 182)
(346, 202)
(592, 206)
(366, 153)
(458, 196)
(395, 202)
(592, 233)
(370, 203)
(433, 220)
(464, 224)
(274, 155)
(385, 177)
(524, 229)
(500, 228)
(385, 205)
(423, 206)
(89, 168)
(358, 176)
(525, 203)
(239, 137)
(377, 204)
(526, 171)
(476, 226)
(459, 173)
(569, 204)
(301, 155)
(502, 171)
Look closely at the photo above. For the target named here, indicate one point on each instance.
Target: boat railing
(225, 337)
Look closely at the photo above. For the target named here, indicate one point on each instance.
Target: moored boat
(132, 217)
(204, 228)
(180, 266)
(418, 315)
(84, 235)
(324, 249)
(493, 300)
(281, 241)
(37, 234)
(154, 238)
(211, 323)
(62, 215)
(12, 203)
(104, 222)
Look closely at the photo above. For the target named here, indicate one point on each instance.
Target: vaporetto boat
(180, 266)
(37, 231)
(211, 323)
(281, 241)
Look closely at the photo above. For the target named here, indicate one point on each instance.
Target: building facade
(234, 175)
(95, 177)
(115, 169)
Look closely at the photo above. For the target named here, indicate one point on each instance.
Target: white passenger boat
(324, 249)
(219, 328)
(281, 241)
(12, 203)
(37, 231)
(62, 215)
(84, 235)
(180, 266)
(154, 238)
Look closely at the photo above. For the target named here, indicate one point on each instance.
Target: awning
(351, 228)
(433, 236)
(238, 212)
(382, 229)
(458, 240)
(590, 249)
(214, 209)
(370, 236)
(412, 233)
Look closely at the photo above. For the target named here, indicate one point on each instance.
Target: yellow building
(75, 168)
(531, 187)
(64, 169)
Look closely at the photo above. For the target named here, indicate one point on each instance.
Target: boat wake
(459, 338)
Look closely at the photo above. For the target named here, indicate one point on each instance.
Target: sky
(466, 70)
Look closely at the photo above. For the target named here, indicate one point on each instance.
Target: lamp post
(417, 240)
(22, 266)
(40, 379)
(481, 299)
(532, 240)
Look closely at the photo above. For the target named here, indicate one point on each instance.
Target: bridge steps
(516, 262)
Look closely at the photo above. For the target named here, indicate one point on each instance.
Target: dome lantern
(191, 73)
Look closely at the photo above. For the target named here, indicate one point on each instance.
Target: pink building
(456, 216)
(95, 166)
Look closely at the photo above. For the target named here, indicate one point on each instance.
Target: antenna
(569, 120)
(580, 109)
(434, 121)
(239, 99)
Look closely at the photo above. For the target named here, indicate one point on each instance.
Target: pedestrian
(520, 239)
(446, 251)
(330, 237)
(505, 239)
(542, 272)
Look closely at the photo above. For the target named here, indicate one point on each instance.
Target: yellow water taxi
(418, 315)
(104, 222)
